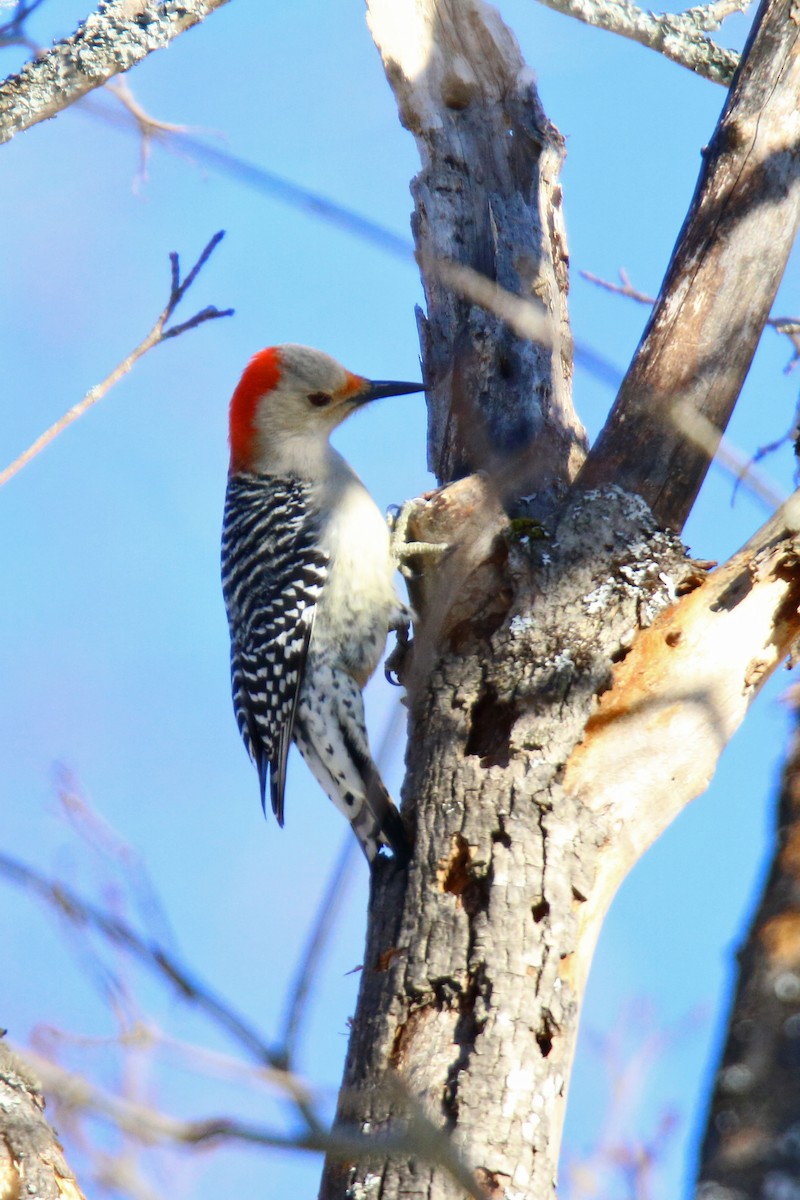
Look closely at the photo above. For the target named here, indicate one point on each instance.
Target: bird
(308, 582)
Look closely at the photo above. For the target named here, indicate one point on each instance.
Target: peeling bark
(566, 643)
(31, 1160)
(682, 691)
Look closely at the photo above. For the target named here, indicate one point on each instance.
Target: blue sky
(114, 651)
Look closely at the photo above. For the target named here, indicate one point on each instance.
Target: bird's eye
(319, 399)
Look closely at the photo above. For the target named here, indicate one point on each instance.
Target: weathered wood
(488, 198)
(716, 296)
(751, 1144)
(476, 961)
(31, 1160)
(683, 689)
(474, 972)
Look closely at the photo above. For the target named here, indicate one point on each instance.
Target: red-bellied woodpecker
(307, 576)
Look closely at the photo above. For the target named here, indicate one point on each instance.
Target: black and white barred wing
(272, 575)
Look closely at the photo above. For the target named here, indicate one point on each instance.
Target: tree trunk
(751, 1145)
(574, 677)
(31, 1159)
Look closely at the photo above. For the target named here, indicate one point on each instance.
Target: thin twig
(12, 32)
(166, 966)
(159, 333)
(729, 457)
(81, 912)
(523, 316)
(111, 40)
(623, 288)
(327, 913)
(109, 846)
(150, 128)
(420, 1138)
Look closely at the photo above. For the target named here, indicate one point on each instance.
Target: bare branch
(419, 1138)
(12, 31)
(789, 326)
(685, 686)
(721, 282)
(111, 40)
(509, 227)
(150, 128)
(699, 430)
(156, 335)
(327, 913)
(623, 288)
(78, 911)
(678, 36)
(525, 317)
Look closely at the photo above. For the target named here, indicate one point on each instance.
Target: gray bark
(751, 1145)
(111, 40)
(31, 1159)
(680, 37)
(565, 698)
(487, 198)
(473, 972)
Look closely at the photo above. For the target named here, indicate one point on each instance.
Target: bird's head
(289, 400)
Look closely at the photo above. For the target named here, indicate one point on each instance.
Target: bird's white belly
(359, 600)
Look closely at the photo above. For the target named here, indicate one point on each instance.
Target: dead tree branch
(159, 333)
(684, 688)
(678, 36)
(721, 282)
(469, 99)
(165, 966)
(419, 1137)
(111, 40)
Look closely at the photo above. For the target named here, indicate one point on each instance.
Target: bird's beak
(377, 389)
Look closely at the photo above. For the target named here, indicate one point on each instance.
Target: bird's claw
(396, 661)
(398, 517)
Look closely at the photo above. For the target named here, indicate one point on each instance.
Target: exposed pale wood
(32, 1162)
(487, 197)
(684, 688)
(721, 282)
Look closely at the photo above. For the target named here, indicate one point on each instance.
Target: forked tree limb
(722, 279)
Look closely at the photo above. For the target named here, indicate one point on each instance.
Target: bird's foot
(403, 550)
